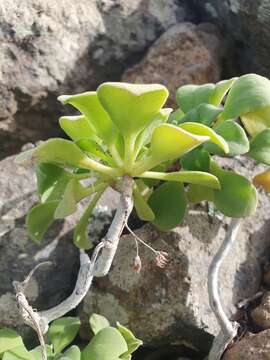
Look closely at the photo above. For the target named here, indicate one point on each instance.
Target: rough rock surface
(18, 254)
(261, 314)
(55, 47)
(246, 26)
(171, 305)
(252, 346)
(184, 54)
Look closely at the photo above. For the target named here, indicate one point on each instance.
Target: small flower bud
(137, 265)
(162, 259)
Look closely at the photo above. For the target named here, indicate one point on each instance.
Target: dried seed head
(162, 259)
(137, 265)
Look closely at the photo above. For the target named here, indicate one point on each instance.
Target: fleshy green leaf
(132, 342)
(36, 353)
(197, 160)
(221, 88)
(263, 179)
(76, 127)
(176, 116)
(197, 193)
(9, 339)
(89, 105)
(235, 137)
(237, 197)
(73, 353)
(91, 147)
(39, 219)
(204, 113)
(131, 106)
(63, 331)
(200, 129)
(168, 203)
(98, 322)
(143, 210)
(260, 147)
(190, 96)
(108, 344)
(18, 353)
(192, 177)
(73, 193)
(248, 98)
(51, 181)
(25, 158)
(170, 142)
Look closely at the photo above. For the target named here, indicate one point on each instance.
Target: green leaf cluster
(108, 343)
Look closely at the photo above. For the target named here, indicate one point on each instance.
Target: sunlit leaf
(192, 177)
(76, 127)
(197, 160)
(9, 339)
(237, 197)
(235, 137)
(39, 219)
(51, 181)
(132, 342)
(88, 104)
(221, 88)
(132, 106)
(190, 96)
(108, 344)
(98, 322)
(249, 98)
(170, 142)
(18, 353)
(200, 129)
(260, 147)
(143, 210)
(36, 353)
(63, 331)
(168, 203)
(92, 148)
(263, 179)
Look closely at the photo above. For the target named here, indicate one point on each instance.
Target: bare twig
(228, 328)
(99, 265)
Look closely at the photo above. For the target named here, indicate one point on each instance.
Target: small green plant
(158, 160)
(108, 343)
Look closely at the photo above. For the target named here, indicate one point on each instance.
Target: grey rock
(170, 305)
(55, 47)
(246, 26)
(18, 254)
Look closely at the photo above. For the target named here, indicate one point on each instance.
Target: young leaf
(89, 105)
(197, 160)
(143, 210)
(248, 98)
(260, 147)
(263, 179)
(63, 331)
(237, 197)
(168, 203)
(235, 137)
(170, 142)
(190, 96)
(92, 148)
(192, 177)
(200, 129)
(9, 339)
(132, 342)
(221, 89)
(51, 181)
(108, 344)
(76, 127)
(73, 193)
(98, 322)
(131, 106)
(39, 219)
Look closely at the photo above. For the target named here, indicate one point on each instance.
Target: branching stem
(228, 328)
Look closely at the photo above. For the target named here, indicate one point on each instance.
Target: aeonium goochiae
(124, 129)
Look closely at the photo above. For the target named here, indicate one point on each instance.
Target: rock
(50, 48)
(266, 277)
(184, 54)
(51, 284)
(252, 346)
(261, 314)
(246, 28)
(171, 305)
